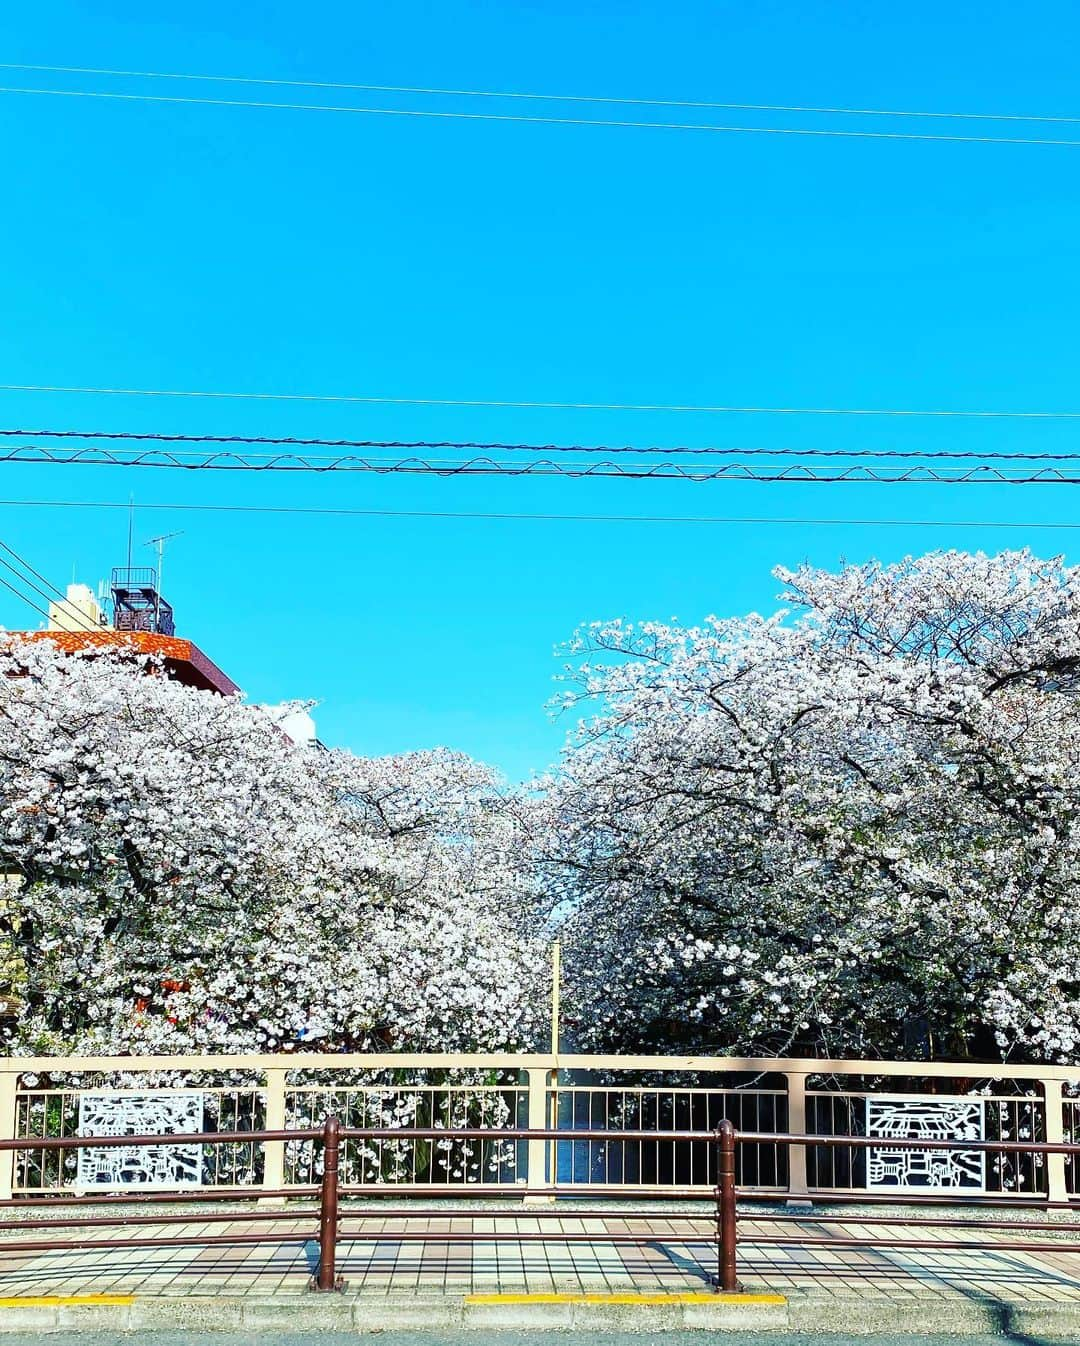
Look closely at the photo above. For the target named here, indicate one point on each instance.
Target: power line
(26, 566)
(445, 115)
(22, 578)
(506, 404)
(607, 99)
(500, 446)
(346, 512)
(231, 461)
(61, 597)
(24, 598)
(63, 600)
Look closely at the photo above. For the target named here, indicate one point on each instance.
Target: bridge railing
(611, 1097)
(332, 1222)
(323, 1223)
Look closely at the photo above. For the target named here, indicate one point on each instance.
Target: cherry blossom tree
(181, 878)
(847, 828)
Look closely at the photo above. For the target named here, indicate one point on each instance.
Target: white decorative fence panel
(49, 1112)
(156, 1112)
(905, 1117)
(997, 1116)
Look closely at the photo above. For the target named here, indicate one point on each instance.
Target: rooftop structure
(142, 624)
(183, 659)
(78, 611)
(137, 601)
(297, 724)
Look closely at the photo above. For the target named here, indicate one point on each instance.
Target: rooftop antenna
(159, 543)
(131, 527)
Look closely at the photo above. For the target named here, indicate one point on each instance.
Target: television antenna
(159, 543)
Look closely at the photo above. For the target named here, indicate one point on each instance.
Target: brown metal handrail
(804, 1240)
(330, 1215)
(324, 1279)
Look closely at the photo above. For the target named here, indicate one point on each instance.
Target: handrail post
(9, 1083)
(274, 1150)
(798, 1190)
(1057, 1189)
(727, 1278)
(541, 1154)
(326, 1278)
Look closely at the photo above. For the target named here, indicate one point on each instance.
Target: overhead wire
(607, 99)
(55, 597)
(515, 517)
(456, 469)
(502, 446)
(522, 404)
(97, 455)
(60, 597)
(443, 114)
(22, 578)
(24, 598)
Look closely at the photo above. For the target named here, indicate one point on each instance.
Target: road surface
(471, 1337)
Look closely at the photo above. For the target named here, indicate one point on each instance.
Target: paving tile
(673, 1255)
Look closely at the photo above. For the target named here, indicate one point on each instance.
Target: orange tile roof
(183, 657)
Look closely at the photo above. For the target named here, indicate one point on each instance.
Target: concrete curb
(366, 1314)
(362, 1314)
(866, 1315)
(1044, 1322)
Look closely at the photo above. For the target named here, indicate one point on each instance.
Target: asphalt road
(521, 1338)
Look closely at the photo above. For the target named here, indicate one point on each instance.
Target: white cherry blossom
(848, 827)
(184, 879)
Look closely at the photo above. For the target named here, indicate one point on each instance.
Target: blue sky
(157, 246)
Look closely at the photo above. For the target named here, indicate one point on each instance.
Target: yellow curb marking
(626, 1299)
(50, 1301)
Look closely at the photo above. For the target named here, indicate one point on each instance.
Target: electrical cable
(86, 625)
(701, 104)
(60, 597)
(230, 461)
(651, 450)
(24, 598)
(488, 515)
(538, 406)
(18, 575)
(445, 115)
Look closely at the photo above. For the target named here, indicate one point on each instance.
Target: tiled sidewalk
(679, 1257)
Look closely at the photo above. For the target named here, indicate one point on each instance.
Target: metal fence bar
(165, 1217)
(274, 1151)
(725, 1236)
(796, 1102)
(775, 1217)
(87, 1197)
(1053, 1148)
(326, 1278)
(913, 1143)
(727, 1279)
(534, 1133)
(258, 1064)
(939, 1245)
(187, 1137)
(9, 1082)
(153, 1241)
